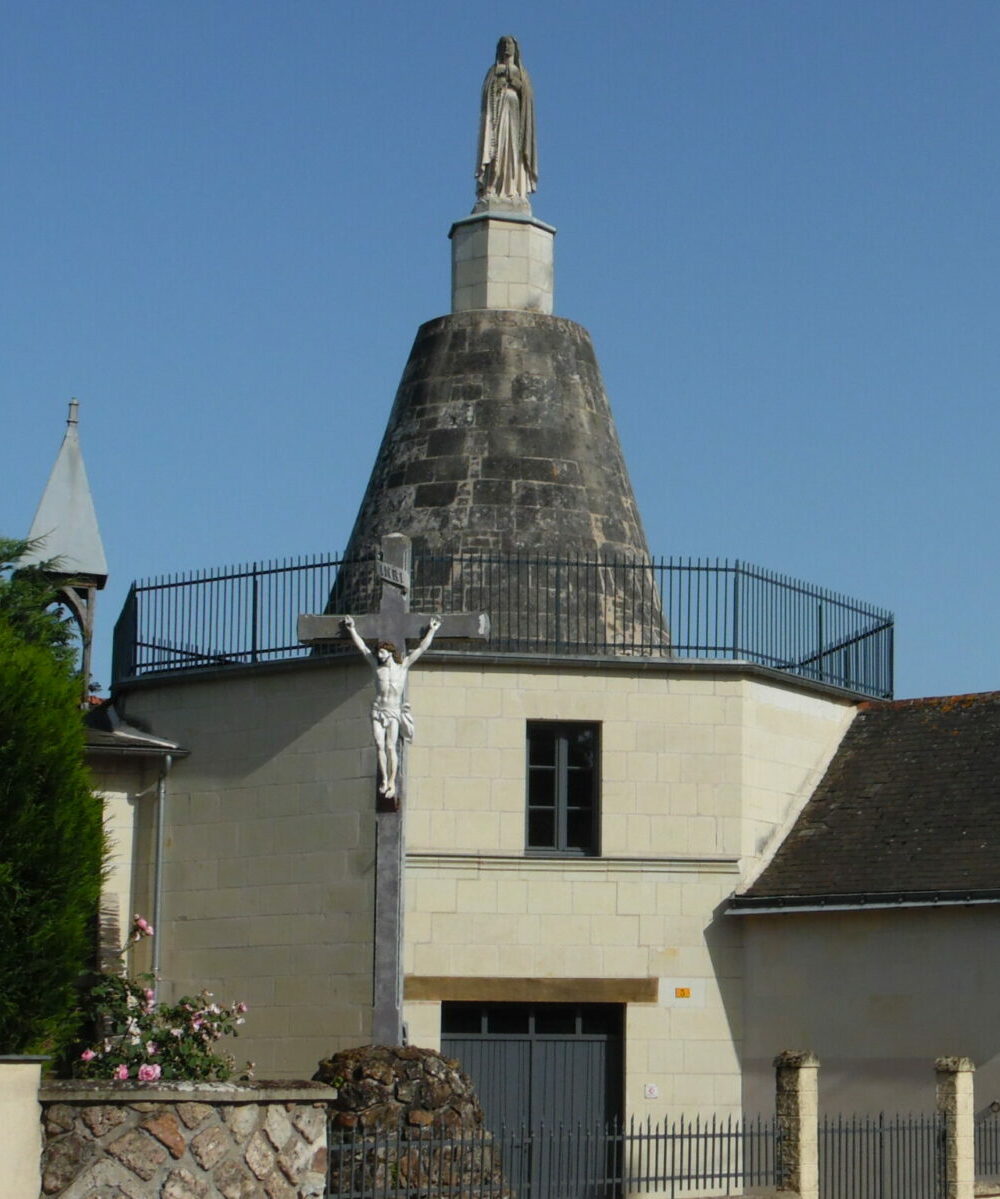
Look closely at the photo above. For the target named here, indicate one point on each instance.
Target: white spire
(66, 523)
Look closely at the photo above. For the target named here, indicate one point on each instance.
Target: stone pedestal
(797, 1109)
(955, 1105)
(20, 1127)
(501, 260)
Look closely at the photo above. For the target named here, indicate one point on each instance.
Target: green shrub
(51, 829)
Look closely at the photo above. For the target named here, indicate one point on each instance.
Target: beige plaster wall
(123, 783)
(268, 864)
(877, 996)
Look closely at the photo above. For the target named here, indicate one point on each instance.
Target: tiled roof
(908, 810)
(104, 730)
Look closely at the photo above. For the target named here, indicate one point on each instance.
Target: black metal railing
(666, 607)
(987, 1143)
(671, 1158)
(882, 1157)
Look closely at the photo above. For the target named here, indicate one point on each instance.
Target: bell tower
(65, 532)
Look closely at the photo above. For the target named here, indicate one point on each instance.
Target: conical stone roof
(501, 439)
(501, 463)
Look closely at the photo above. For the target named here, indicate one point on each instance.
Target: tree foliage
(51, 822)
(27, 594)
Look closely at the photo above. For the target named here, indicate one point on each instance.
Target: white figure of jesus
(390, 713)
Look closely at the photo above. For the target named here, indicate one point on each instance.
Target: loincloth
(386, 714)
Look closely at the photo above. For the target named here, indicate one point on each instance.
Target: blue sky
(223, 223)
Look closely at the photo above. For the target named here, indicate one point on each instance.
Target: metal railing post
(255, 613)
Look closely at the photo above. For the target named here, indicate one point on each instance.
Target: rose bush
(141, 1039)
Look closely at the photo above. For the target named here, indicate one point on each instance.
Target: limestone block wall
(185, 1141)
(694, 763)
(269, 848)
(697, 766)
(788, 738)
(269, 854)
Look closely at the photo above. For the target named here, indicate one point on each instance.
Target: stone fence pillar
(797, 1108)
(20, 1127)
(955, 1105)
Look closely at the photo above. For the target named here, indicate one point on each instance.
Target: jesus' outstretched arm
(435, 624)
(348, 623)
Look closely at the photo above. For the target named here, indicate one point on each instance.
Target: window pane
(541, 746)
(542, 828)
(579, 789)
(458, 1018)
(580, 748)
(579, 830)
(507, 1018)
(601, 1020)
(555, 1018)
(541, 788)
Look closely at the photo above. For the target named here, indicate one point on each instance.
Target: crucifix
(392, 726)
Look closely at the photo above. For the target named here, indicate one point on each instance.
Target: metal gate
(539, 1066)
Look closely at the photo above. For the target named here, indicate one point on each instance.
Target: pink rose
(121, 1073)
(141, 928)
(149, 1073)
(241, 1008)
(88, 1055)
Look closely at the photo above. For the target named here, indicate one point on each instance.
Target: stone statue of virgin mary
(507, 166)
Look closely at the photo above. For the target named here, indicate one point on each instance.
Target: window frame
(561, 730)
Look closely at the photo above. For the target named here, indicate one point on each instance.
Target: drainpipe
(161, 803)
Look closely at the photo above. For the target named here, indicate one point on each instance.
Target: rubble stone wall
(407, 1119)
(184, 1140)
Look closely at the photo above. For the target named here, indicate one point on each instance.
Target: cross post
(394, 622)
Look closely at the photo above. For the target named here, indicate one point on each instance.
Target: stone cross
(396, 623)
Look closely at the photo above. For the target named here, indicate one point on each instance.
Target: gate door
(539, 1066)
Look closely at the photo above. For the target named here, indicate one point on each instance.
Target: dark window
(563, 770)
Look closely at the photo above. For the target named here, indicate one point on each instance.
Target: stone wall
(427, 1120)
(107, 1140)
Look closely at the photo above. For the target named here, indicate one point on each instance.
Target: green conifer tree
(51, 822)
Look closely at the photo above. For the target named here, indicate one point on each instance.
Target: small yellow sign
(682, 992)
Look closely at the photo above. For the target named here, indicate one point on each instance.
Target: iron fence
(672, 1159)
(882, 1157)
(987, 1143)
(666, 607)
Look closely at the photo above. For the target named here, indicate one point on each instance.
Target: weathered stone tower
(501, 439)
(501, 450)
